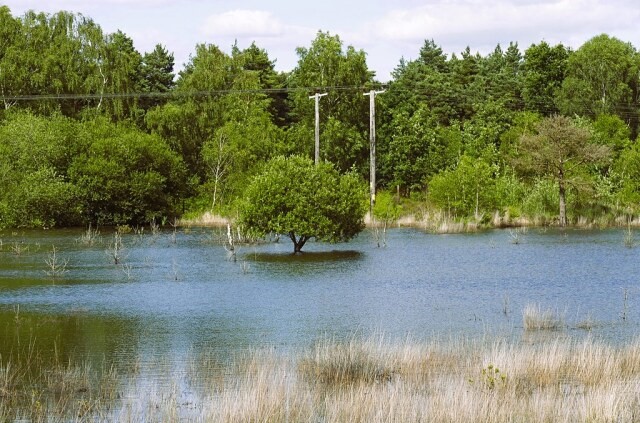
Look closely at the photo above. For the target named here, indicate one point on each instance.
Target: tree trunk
(563, 203)
(298, 243)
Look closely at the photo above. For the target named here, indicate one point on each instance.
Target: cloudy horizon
(386, 32)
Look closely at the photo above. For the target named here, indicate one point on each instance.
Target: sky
(386, 30)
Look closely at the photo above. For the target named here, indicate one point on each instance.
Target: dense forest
(93, 131)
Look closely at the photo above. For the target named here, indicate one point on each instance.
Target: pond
(174, 293)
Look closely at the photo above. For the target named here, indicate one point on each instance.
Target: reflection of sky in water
(185, 296)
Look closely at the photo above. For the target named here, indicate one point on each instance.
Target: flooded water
(173, 294)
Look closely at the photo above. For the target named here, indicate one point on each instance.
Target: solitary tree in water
(557, 151)
(296, 198)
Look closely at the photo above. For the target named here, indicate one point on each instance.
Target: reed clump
(348, 363)
(535, 318)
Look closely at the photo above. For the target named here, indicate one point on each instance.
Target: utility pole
(317, 98)
(372, 148)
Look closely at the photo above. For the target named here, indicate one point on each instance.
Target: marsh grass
(440, 222)
(19, 247)
(628, 239)
(57, 266)
(37, 390)
(535, 318)
(90, 237)
(354, 380)
(588, 323)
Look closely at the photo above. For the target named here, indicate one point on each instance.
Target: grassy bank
(359, 380)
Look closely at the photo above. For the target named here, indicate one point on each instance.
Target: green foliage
(523, 123)
(44, 199)
(156, 72)
(387, 207)
(419, 148)
(544, 70)
(126, 176)
(293, 197)
(602, 78)
(35, 153)
(541, 198)
(613, 132)
(235, 153)
(627, 172)
(468, 189)
(443, 121)
(491, 378)
(344, 114)
(560, 151)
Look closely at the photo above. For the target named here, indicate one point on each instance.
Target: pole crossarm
(316, 97)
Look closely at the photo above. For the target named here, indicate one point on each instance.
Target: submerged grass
(357, 380)
(35, 391)
(535, 318)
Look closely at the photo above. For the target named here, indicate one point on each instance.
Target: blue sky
(386, 30)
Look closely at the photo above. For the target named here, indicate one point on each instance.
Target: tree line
(93, 131)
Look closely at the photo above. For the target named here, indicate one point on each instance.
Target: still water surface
(180, 293)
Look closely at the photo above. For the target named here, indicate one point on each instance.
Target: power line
(626, 111)
(183, 94)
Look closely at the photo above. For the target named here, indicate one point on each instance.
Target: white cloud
(480, 22)
(241, 23)
(386, 30)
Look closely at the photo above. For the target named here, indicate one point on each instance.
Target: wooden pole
(372, 149)
(316, 97)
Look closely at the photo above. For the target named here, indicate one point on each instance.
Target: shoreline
(438, 222)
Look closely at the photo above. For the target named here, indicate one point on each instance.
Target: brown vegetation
(369, 380)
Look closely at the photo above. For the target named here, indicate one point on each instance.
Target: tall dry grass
(373, 380)
(376, 380)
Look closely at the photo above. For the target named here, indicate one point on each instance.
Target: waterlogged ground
(178, 294)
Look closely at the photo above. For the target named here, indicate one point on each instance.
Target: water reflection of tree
(73, 337)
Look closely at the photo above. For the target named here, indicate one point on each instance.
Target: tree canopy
(298, 199)
(558, 150)
(121, 136)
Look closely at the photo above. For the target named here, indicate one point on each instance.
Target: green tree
(426, 81)
(544, 69)
(11, 76)
(44, 199)
(326, 64)
(466, 83)
(235, 152)
(612, 131)
(40, 55)
(499, 77)
(123, 76)
(418, 149)
(187, 123)
(125, 175)
(157, 75)
(468, 189)
(255, 60)
(602, 77)
(558, 151)
(293, 197)
(216, 91)
(35, 154)
(626, 171)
